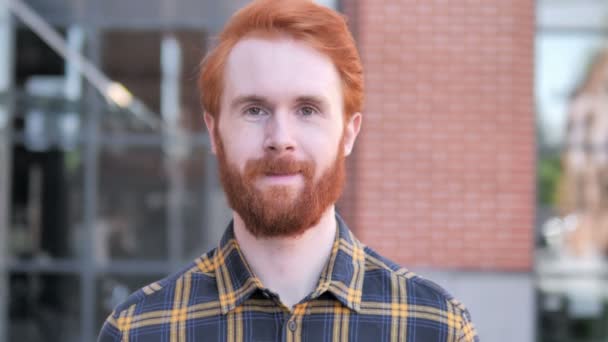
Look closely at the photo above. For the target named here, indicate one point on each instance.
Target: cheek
(240, 145)
(324, 149)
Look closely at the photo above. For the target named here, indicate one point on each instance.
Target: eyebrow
(243, 99)
(320, 101)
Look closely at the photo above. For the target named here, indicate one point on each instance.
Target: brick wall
(443, 172)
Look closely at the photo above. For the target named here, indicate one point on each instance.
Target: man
(282, 95)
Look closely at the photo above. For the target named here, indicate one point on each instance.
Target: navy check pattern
(361, 296)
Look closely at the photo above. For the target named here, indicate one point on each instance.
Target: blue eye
(308, 110)
(254, 111)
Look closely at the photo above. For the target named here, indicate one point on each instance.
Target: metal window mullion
(5, 174)
(6, 83)
(175, 145)
(91, 165)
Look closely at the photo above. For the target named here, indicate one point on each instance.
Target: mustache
(278, 165)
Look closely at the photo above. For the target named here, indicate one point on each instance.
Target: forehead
(279, 68)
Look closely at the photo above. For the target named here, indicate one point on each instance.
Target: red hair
(323, 29)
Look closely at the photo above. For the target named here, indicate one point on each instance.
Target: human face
(282, 105)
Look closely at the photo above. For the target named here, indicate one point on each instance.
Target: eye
(307, 110)
(255, 111)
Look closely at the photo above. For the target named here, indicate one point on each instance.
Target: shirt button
(291, 325)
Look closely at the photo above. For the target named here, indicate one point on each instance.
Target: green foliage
(548, 173)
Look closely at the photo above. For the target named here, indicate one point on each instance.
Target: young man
(282, 95)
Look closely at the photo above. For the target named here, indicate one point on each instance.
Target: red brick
(443, 172)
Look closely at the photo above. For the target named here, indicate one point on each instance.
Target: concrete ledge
(502, 304)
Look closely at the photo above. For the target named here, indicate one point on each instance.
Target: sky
(561, 59)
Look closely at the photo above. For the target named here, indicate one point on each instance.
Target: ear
(210, 123)
(351, 132)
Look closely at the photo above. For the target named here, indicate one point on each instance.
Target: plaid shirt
(361, 296)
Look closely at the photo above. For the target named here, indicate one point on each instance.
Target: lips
(278, 169)
(281, 169)
(281, 174)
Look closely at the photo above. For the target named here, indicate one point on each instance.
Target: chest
(260, 321)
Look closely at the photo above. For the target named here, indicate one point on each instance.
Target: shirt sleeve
(110, 331)
(467, 331)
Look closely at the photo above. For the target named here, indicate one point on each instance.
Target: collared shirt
(360, 296)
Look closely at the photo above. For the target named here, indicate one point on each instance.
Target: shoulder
(378, 266)
(420, 297)
(201, 271)
(156, 299)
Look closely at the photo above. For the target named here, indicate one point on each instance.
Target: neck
(289, 266)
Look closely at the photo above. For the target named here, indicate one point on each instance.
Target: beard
(280, 210)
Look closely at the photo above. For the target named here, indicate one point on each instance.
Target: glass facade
(572, 116)
(95, 203)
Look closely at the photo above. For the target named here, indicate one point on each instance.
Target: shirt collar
(342, 275)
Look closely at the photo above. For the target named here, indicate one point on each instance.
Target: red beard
(278, 211)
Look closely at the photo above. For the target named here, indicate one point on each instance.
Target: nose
(278, 136)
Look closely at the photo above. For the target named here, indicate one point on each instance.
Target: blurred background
(482, 163)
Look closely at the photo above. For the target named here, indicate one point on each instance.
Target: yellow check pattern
(360, 296)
